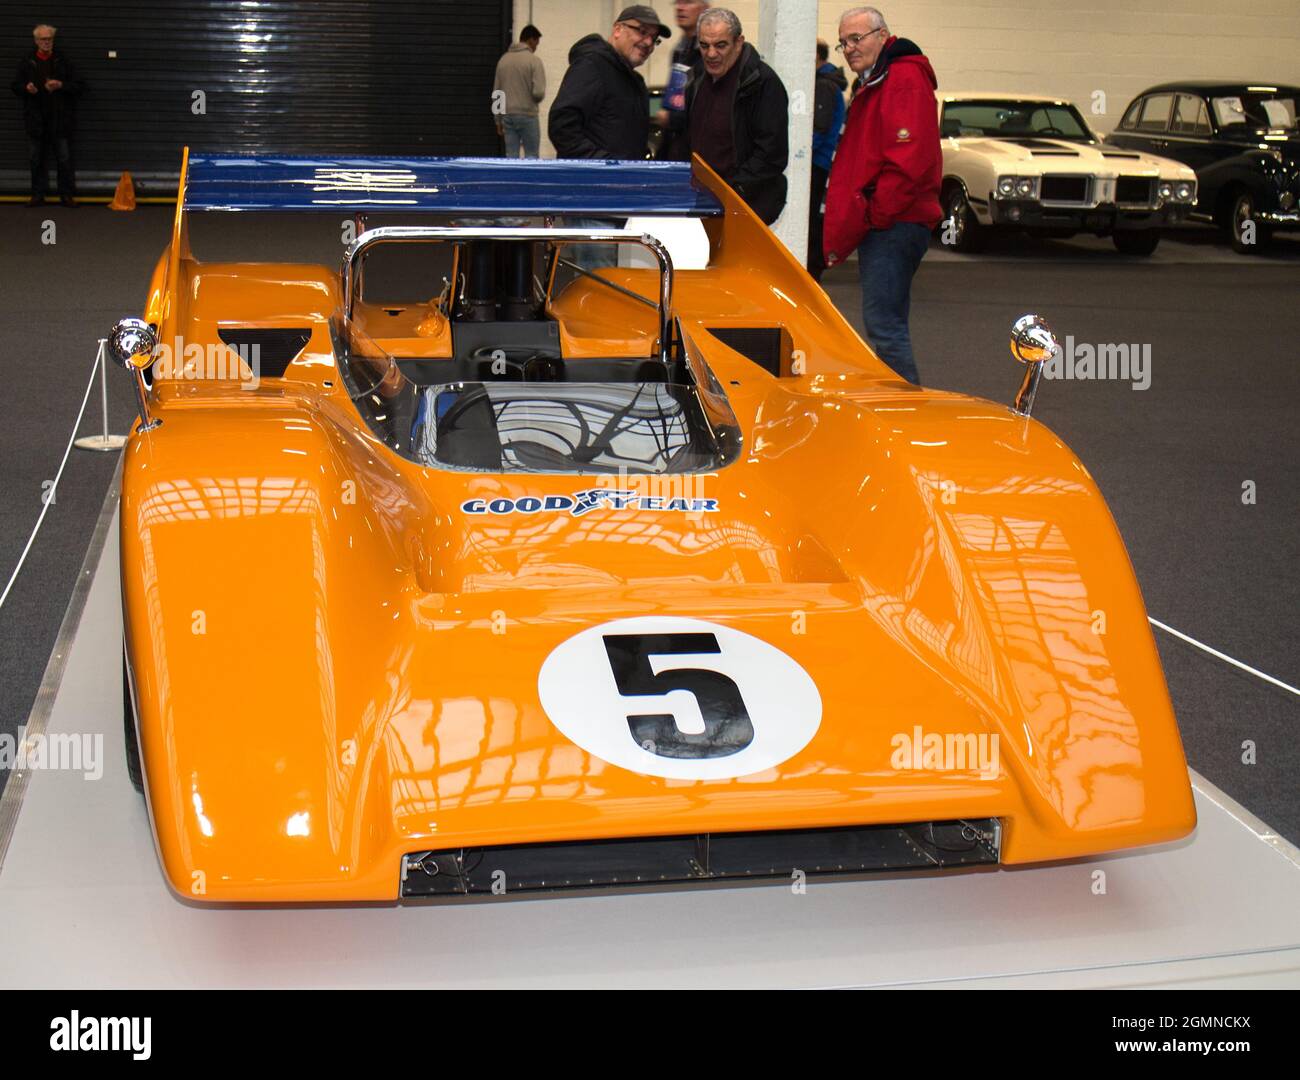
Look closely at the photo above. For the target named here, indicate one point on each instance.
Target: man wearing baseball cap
(602, 109)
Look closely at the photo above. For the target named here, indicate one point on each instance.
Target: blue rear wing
(489, 186)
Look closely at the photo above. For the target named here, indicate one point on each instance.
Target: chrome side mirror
(1032, 343)
(132, 344)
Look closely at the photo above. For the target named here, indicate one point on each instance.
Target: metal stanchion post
(104, 441)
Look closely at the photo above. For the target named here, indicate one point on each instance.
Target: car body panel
(336, 664)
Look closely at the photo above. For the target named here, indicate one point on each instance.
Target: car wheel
(1136, 241)
(959, 228)
(1243, 211)
(133, 769)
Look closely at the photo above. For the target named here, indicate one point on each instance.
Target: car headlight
(1185, 191)
(1166, 190)
(1006, 185)
(1024, 186)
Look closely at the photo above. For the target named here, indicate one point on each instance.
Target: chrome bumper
(1278, 217)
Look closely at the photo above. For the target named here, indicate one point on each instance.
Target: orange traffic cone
(124, 196)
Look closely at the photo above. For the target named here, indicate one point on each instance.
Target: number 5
(727, 727)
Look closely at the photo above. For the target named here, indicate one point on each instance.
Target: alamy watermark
(921, 751)
(62, 751)
(682, 492)
(1114, 361)
(115, 1034)
(211, 361)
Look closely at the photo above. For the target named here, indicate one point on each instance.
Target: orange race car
(616, 559)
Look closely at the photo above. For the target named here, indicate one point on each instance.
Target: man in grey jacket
(520, 85)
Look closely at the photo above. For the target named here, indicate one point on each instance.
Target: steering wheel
(1051, 129)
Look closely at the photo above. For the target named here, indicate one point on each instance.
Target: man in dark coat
(738, 115)
(602, 109)
(49, 86)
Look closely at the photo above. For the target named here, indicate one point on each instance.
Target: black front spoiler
(698, 858)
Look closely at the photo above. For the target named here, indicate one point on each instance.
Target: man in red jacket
(883, 193)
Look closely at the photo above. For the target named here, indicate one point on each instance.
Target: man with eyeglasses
(883, 193)
(49, 86)
(602, 109)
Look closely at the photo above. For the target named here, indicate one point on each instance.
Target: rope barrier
(49, 498)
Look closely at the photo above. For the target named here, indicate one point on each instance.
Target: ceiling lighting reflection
(205, 826)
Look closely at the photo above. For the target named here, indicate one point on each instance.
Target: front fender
(266, 550)
(982, 544)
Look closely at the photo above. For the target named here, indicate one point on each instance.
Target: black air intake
(700, 858)
(767, 346)
(268, 351)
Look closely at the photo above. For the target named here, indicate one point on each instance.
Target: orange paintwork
(335, 666)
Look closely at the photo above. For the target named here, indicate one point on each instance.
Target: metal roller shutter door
(338, 76)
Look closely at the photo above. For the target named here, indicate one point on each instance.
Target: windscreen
(1257, 111)
(564, 427)
(1011, 119)
(552, 426)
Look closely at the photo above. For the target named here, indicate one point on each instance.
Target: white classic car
(1027, 162)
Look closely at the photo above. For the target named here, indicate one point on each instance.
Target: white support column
(788, 42)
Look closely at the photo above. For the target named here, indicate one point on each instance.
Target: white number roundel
(680, 698)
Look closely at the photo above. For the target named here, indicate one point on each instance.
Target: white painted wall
(1073, 48)
(788, 40)
(1066, 47)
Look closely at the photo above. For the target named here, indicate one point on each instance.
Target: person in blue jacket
(828, 122)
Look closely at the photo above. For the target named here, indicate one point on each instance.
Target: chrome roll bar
(460, 234)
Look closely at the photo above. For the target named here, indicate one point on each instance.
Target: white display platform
(83, 904)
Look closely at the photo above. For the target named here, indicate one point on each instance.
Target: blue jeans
(525, 130)
(887, 260)
(592, 256)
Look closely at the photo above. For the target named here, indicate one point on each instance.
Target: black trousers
(39, 150)
(817, 192)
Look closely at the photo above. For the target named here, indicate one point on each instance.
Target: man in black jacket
(737, 115)
(602, 109)
(49, 86)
